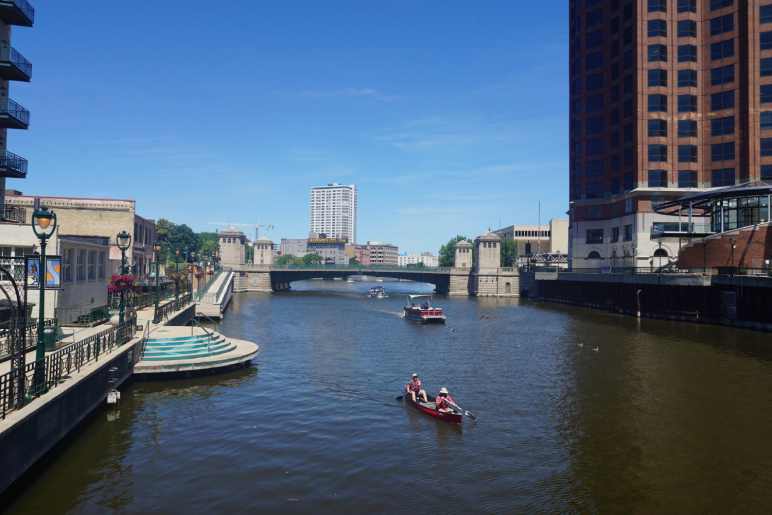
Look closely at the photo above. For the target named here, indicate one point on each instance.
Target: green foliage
(354, 261)
(448, 251)
(288, 259)
(207, 242)
(508, 252)
(312, 259)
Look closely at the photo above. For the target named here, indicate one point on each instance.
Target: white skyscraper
(334, 211)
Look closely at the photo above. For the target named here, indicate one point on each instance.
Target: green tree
(354, 261)
(286, 259)
(448, 251)
(312, 259)
(207, 242)
(508, 252)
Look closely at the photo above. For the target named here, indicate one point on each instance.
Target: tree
(448, 251)
(508, 252)
(207, 242)
(286, 259)
(354, 261)
(312, 259)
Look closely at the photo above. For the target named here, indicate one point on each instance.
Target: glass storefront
(732, 213)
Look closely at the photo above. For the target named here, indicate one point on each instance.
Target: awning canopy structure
(704, 201)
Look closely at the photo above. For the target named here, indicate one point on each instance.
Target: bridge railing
(361, 268)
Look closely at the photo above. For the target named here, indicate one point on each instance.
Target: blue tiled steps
(186, 347)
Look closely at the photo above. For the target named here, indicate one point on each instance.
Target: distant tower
(488, 252)
(232, 250)
(263, 252)
(463, 258)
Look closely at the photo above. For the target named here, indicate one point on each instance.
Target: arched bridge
(279, 277)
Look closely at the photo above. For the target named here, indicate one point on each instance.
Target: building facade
(667, 97)
(334, 211)
(13, 67)
(263, 252)
(532, 240)
(426, 259)
(232, 243)
(331, 250)
(297, 247)
(379, 253)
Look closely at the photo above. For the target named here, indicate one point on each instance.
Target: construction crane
(267, 227)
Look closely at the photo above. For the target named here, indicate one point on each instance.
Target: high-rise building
(667, 97)
(13, 66)
(334, 211)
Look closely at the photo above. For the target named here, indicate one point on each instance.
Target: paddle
(462, 411)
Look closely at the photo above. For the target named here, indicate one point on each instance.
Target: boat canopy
(413, 297)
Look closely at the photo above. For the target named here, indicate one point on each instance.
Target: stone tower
(463, 257)
(263, 252)
(231, 242)
(488, 252)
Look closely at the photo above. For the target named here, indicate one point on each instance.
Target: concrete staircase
(186, 347)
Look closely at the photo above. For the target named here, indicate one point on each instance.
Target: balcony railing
(675, 229)
(17, 12)
(12, 165)
(13, 65)
(13, 115)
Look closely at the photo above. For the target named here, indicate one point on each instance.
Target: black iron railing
(13, 56)
(16, 214)
(30, 340)
(60, 364)
(15, 110)
(14, 164)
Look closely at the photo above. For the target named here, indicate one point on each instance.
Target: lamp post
(43, 225)
(123, 239)
(157, 251)
(177, 276)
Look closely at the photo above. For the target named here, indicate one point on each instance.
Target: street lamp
(157, 251)
(43, 225)
(177, 277)
(123, 239)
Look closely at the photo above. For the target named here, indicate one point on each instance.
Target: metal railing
(58, 365)
(164, 310)
(675, 229)
(202, 290)
(13, 56)
(86, 316)
(13, 163)
(213, 298)
(16, 214)
(30, 340)
(390, 268)
(15, 110)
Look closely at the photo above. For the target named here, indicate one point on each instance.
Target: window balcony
(13, 115)
(13, 65)
(12, 166)
(17, 12)
(14, 214)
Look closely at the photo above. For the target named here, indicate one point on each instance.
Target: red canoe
(430, 409)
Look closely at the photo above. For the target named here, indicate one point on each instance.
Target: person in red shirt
(414, 389)
(445, 402)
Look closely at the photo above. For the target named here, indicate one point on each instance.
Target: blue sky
(449, 116)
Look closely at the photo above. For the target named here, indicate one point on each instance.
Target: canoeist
(444, 401)
(413, 388)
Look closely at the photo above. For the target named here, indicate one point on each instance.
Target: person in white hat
(444, 401)
(414, 388)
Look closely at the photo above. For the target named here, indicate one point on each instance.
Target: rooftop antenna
(538, 240)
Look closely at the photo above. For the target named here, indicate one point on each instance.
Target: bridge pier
(257, 281)
(459, 285)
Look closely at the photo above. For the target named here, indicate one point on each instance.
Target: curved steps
(186, 347)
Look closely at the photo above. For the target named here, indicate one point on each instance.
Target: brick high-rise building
(13, 66)
(667, 97)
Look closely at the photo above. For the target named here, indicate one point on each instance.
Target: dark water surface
(662, 418)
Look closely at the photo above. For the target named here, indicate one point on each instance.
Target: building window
(594, 17)
(594, 81)
(593, 60)
(725, 100)
(765, 69)
(766, 172)
(594, 236)
(657, 6)
(722, 24)
(657, 53)
(687, 29)
(594, 38)
(594, 125)
(687, 78)
(657, 128)
(80, 272)
(628, 232)
(614, 234)
(766, 119)
(92, 258)
(766, 93)
(722, 49)
(657, 103)
(687, 153)
(687, 6)
(101, 265)
(722, 75)
(722, 126)
(765, 40)
(723, 151)
(657, 153)
(687, 53)
(687, 103)
(687, 128)
(594, 103)
(722, 177)
(67, 265)
(658, 178)
(765, 13)
(657, 28)
(687, 179)
(657, 78)
(766, 147)
(720, 4)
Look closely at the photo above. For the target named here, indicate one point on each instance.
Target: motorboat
(419, 309)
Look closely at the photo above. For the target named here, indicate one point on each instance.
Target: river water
(662, 418)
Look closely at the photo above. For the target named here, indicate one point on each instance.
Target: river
(578, 411)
